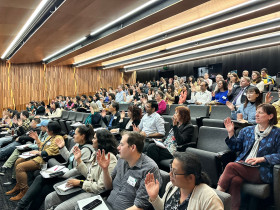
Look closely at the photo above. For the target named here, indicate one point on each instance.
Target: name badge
(224, 97)
(115, 117)
(49, 143)
(132, 181)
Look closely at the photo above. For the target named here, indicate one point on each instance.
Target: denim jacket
(269, 148)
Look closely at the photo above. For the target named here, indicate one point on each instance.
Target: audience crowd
(119, 152)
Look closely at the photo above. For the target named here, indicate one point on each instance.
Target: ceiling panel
(13, 15)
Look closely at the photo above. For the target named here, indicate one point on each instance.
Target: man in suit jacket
(114, 117)
(237, 95)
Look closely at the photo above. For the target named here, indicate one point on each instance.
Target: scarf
(258, 137)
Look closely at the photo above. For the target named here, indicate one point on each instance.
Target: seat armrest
(225, 157)
(276, 185)
(183, 147)
(199, 121)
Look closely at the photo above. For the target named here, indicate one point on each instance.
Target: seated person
(127, 179)
(248, 109)
(21, 125)
(220, 97)
(276, 104)
(14, 156)
(135, 114)
(237, 95)
(46, 148)
(6, 151)
(57, 111)
(94, 117)
(203, 96)
(268, 80)
(161, 102)
(114, 117)
(151, 124)
(94, 184)
(258, 145)
(170, 95)
(181, 133)
(40, 110)
(185, 94)
(188, 187)
(41, 187)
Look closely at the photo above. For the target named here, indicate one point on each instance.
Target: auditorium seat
(198, 113)
(212, 151)
(167, 111)
(124, 106)
(217, 116)
(172, 109)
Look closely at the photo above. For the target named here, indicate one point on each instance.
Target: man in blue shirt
(120, 94)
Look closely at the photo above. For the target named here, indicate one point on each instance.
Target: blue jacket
(249, 113)
(269, 148)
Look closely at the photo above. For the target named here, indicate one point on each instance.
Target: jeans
(8, 150)
(5, 140)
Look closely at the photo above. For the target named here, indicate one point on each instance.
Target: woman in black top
(181, 133)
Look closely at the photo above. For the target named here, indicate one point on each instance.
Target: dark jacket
(40, 110)
(269, 147)
(115, 123)
(95, 120)
(235, 91)
(124, 123)
(183, 134)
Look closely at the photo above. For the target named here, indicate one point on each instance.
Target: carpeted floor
(5, 203)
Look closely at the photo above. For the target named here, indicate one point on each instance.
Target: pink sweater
(161, 107)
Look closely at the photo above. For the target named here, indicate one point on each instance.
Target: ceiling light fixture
(26, 25)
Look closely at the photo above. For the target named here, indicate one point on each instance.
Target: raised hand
(33, 135)
(135, 128)
(77, 153)
(122, 114)
(230, 87)
(103, 113)
(230, 106)
(229, 126)
(152, 186)
(268, 98)
(60, 142)
(103, 162)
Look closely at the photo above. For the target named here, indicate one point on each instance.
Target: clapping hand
(230, 105)
(268, 98)
(230, 87)
(60, 142)
(229, 126)
(103, 113)
(152, 186)
(77, 153)
(122, 114)
(19, 122)
(103, 162)
(33, 135)
(135, 128)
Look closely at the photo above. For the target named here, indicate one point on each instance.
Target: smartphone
(92, 204)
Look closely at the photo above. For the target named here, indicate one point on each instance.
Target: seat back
(212, 139)
(165, 179)
(226, 199)
(172, 108)
(124, 106)
(72, 116)
(220, 112)
(167, 128)
(79, 117)
(195, 134)
(167, 110)
(64, 115)
(85, 116)
(199, 111)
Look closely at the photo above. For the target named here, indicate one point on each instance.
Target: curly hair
(136, 112)
(106, 140)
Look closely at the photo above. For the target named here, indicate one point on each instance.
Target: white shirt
(203, 97)
(153, 123)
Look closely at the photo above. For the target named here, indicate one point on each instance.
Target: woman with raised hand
(248, 109)
(188, 187)
(259, 151)
(41, 187)
(103, 141)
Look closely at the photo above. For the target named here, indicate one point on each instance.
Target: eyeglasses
(173, 172)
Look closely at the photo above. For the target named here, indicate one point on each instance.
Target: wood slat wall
(28, 82)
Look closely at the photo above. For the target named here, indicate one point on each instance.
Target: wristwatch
(81, 183)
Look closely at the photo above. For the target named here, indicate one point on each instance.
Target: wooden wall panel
(28, 82)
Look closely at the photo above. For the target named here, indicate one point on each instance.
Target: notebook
(84, 202)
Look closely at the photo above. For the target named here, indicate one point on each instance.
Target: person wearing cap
(25, 139)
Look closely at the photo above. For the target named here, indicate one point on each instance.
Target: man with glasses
(152, 124)
(204, 96)
(128, 178)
